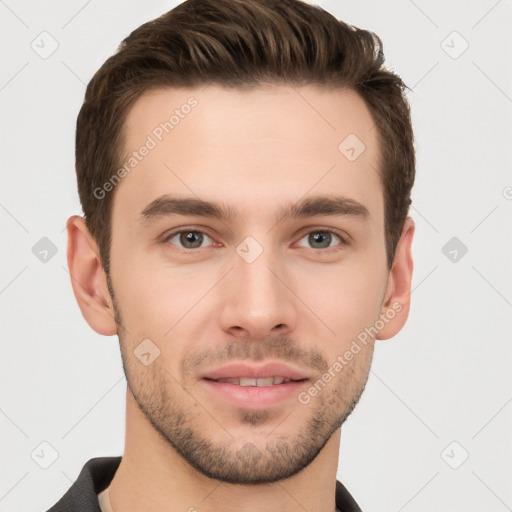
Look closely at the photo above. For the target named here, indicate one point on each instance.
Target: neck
(153, 477)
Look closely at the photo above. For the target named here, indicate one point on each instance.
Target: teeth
(248, 382)
(261, 382)
(231, 381)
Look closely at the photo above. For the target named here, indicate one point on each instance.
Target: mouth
(257, 382)
(250, 386)
(254, 387)
(253, 394)
(245, 374)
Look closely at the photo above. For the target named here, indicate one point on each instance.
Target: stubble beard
(169, 408)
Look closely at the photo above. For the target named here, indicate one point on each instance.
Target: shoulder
(344, 500)
(94, 477)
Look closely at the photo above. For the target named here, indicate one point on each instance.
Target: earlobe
(396, 305)
(88, 278)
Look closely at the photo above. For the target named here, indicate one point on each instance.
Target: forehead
(250, 147)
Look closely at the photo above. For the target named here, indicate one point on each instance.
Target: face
(275, 277)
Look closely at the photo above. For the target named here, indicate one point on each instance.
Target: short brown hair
(240, 43)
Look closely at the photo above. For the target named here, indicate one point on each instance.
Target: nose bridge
(258, 300)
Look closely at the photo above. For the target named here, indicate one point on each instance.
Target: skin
(300, 302)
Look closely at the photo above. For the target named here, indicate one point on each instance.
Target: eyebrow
(166, 206)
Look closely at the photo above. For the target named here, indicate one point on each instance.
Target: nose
(258, 300)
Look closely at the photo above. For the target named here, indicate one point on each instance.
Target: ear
(88, 278)
(397, 299)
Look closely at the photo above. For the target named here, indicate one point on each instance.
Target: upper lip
(234, 370)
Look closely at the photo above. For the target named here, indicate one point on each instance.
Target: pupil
(323, 238)
(192, 238)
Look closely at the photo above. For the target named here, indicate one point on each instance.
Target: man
(245, 171)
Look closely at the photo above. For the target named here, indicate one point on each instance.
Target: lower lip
(255, 397)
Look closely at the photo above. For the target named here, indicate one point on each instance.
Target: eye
(188, 238)
(322, 239)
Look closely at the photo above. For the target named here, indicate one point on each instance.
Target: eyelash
(343, 238)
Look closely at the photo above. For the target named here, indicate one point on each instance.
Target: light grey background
(444, 378)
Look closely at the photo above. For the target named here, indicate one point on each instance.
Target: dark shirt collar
(98, 472)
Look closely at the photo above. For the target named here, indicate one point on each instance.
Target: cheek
(165, 303)
(151, 305)
(143, 292)
(346, 298)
